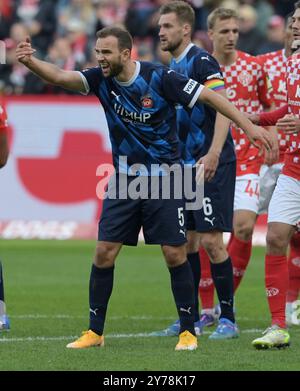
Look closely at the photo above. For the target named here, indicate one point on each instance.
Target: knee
(213, 246)
(174, 256)
(105, 255)
(244, 230)
(276, 242)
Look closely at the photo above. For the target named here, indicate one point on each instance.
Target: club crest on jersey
(245, 78)
(147, 102)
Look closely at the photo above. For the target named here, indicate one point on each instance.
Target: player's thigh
(246, 195)
(216, 213)
(193, 241)
(120, 221)
(268, 179)
(163, 221)
(285, 202)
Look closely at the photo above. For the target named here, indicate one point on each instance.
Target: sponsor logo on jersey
(190, 85)
(131, 116)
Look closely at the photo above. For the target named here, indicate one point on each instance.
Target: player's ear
(126, 53)
(187, 28)
(210, 34)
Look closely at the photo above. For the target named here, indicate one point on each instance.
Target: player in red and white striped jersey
(248, 89)
(275, 63)
(4, 321)
(284, 208)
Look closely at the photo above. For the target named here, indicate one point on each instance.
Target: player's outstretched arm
(256, 134)
(211, 159)
(52, 74)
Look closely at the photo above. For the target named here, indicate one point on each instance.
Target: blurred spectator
(200, 38)
(6, 17)
(275, 35)
(110, 12)
(283, 7)
(264, 11)
(139, 17)
(40, 19)
(18, 32)
(75, 32)
(145, 51)
(249, 37)
(12, 74)
(76, 11)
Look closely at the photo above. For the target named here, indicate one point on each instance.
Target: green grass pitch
(47, 299)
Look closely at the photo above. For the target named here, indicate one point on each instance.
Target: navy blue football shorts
(162, 220)
(216, 213)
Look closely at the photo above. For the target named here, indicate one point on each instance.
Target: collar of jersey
(134, 76)
(184, 53)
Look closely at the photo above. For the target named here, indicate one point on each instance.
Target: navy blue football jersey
(141, 113)
(196, 125)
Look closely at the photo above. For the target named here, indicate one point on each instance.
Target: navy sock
(222, 275)
(101, 284)
(1, 284)
(194, 261)
(183, 292)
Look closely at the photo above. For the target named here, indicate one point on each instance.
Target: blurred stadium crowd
(63, 31)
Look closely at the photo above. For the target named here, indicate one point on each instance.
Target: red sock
(294, 269)
(240, 254)
(276, 280)
(206, 286)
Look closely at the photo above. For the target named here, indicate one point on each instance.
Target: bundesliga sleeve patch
(189, 87)
(215, 84)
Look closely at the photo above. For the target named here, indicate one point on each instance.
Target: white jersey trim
(196, 96)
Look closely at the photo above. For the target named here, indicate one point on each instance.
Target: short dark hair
(222, 14)
(183, 11)
(123, 36)
(297, 5)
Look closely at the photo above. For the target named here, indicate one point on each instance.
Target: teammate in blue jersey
(139, 100)
(206, 139)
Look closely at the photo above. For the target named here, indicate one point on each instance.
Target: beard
(116, 69)
(171, 46)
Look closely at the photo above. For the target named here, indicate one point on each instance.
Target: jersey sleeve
(3, 119)
(270, 118)
(264, 88)
(208, 72)
(91, 78)
(180, 89)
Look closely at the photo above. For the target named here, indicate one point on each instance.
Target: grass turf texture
(46, 285)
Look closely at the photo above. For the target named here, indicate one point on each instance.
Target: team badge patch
(245, 78)
(147, 102)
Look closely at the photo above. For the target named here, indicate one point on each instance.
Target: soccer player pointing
(146, 134)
